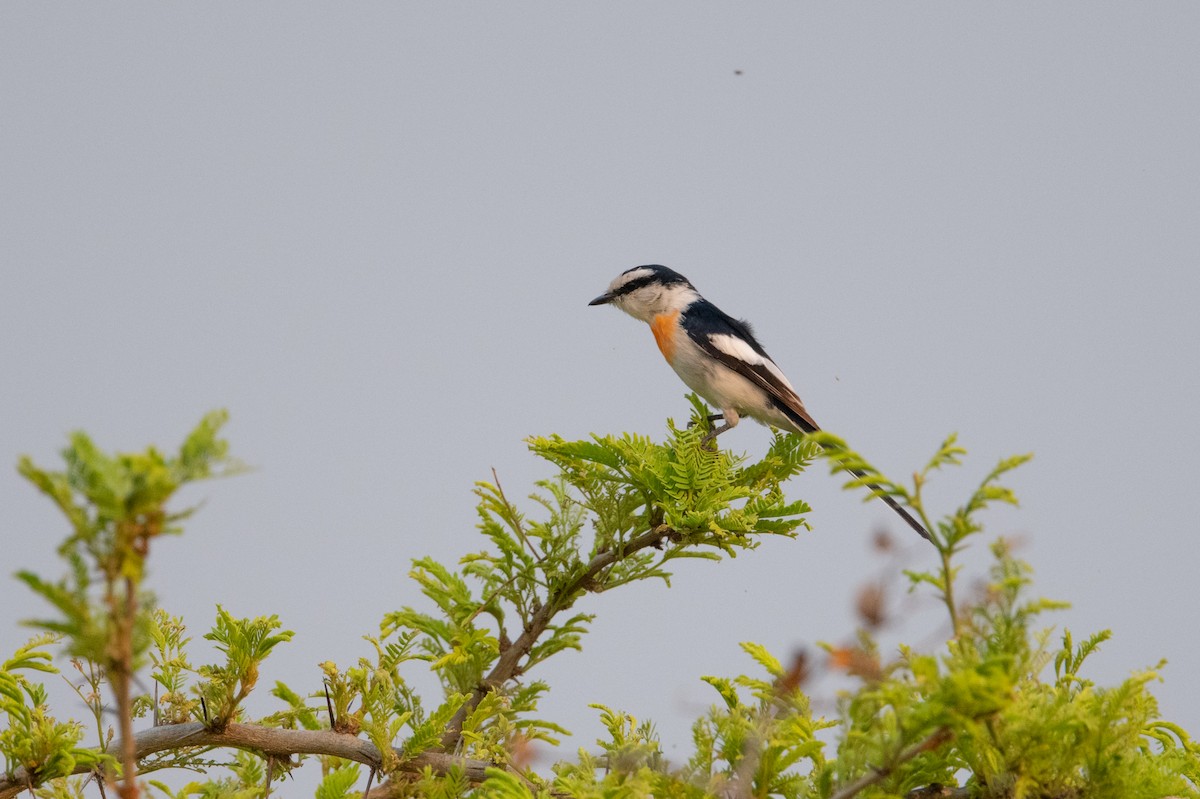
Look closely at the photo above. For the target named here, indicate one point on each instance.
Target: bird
(718, 357)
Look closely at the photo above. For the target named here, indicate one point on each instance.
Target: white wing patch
(737, 348)
(732, 345)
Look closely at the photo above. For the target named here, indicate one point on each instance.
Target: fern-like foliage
(245, 644)
(620, 509)
(996, 712)
(33, 739)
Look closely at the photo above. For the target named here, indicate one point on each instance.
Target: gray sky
(373, 238)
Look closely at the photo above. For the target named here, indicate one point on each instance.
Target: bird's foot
(712, 417)
(709, 442)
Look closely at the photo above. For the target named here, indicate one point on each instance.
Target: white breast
(724, 388)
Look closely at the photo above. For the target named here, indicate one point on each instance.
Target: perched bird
(716, 355)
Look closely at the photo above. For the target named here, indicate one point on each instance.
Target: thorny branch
(271, 742)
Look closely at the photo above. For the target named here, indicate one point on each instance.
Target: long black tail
(894, 505)
(805, 425)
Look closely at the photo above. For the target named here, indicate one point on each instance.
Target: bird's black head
(640, 277)
(647, 291)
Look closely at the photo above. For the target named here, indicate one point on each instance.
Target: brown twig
(492, 597)
(124, 612)
(508, 665)
(935, 740)
(270, 741)
(516, 518)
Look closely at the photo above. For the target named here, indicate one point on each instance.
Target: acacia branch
(124, 614)
(269, 741)
(508, 665)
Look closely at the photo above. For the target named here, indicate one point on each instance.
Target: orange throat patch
(665, 327)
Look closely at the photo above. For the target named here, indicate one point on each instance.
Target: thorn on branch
(370, 779)
(329, 706)
(204, 710)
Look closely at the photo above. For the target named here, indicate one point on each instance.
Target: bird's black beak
(603, 299)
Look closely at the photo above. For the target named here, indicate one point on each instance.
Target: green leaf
(338, 782)
(763, 658)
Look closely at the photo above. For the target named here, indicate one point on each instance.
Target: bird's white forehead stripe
(633, 274)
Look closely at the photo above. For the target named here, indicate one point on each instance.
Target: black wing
(707, 321)
(704, 320)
